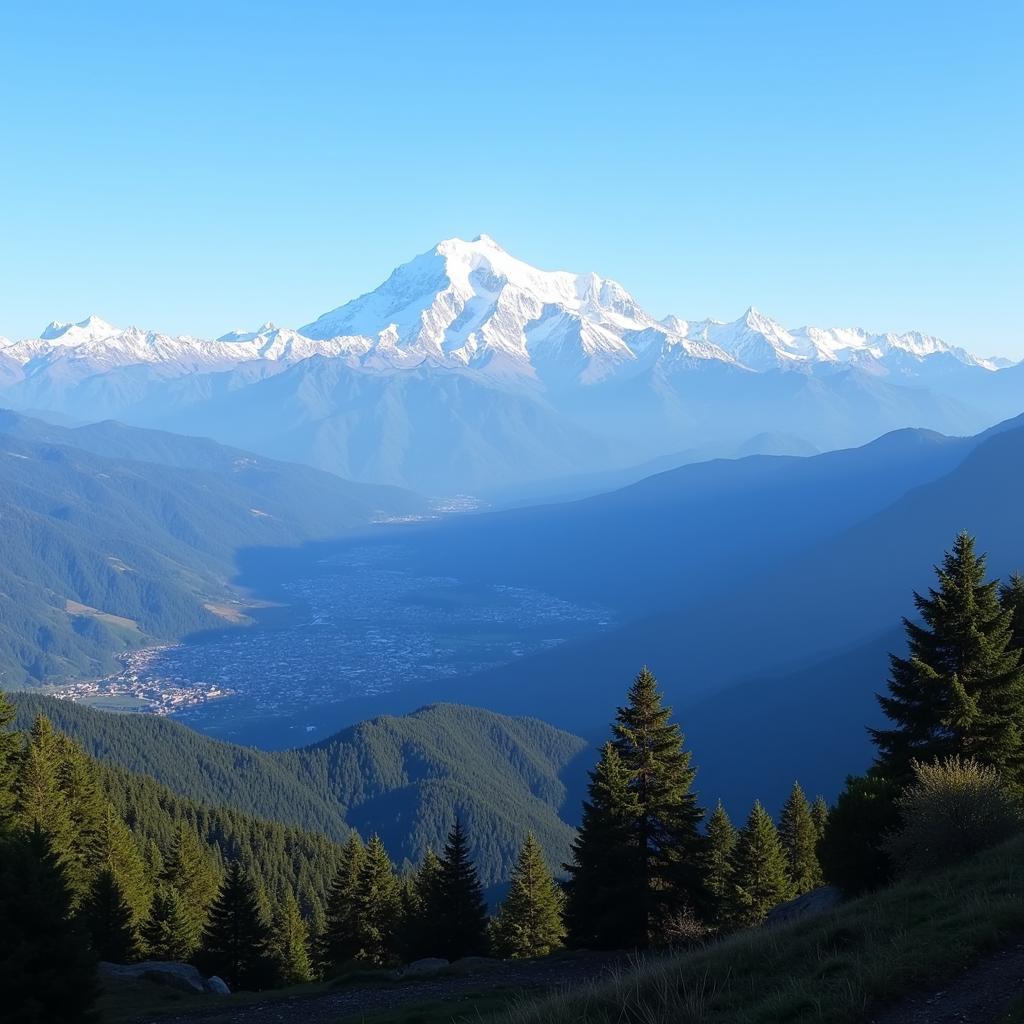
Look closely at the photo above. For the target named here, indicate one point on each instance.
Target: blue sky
(198, 167)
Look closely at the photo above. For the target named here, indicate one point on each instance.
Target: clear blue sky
(197, 167)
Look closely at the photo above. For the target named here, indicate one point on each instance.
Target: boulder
(218, 986)
(428, 965)
(162, 972)
(817, 901)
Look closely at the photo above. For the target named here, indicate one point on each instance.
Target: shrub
(851, 849)
(953, 809)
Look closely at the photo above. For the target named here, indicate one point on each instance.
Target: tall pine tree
(529, 923)
(10, 748)
(289, 943)
(799, 836)
(339, 942)
(188, 869)
(760, 879)
(603, 908)
(169, 932)
(669, 843)
(819, 815)
(377, 905)
(38, 797)
(113, 928)
(961, 690)
(235, 942)
(461, 923)
(47, 972)
(721, 844)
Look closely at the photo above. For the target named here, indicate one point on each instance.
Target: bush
(851, 850)
(954, 809)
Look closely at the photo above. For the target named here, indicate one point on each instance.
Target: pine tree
(603, 909)
(317, 930)
(461, 911)
(169, 933)
(10, 748)
(529, 923)
(1011, 597)
(235, 942)
(289, 943)
(669, 844)
(961, 690)
(188, 868)
(721, 844)
(38, 798)
(47, 972)
(799, 836)
(377, 905)
(420, 902)
(115, 851)
(759, 871)
(87, 808)
(819, 815)
(111, 922)
(339, 943)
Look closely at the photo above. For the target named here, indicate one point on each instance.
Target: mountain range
(470, 370)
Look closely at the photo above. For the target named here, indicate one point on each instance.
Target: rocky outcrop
(183, 977)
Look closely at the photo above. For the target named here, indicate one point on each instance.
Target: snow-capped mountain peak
(92, 328)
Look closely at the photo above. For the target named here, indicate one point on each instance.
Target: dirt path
(336, 1007)
(978, 996)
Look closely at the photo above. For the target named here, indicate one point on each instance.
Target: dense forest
(99, 862)
(405, 777)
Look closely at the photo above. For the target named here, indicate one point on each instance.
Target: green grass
(463, 1008)
(834, 968)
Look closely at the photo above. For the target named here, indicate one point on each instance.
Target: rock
(817, 901)
(162, 972)
(428, 965)
(217, 986)
(469, 964)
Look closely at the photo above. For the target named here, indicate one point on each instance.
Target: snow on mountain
(470, 305)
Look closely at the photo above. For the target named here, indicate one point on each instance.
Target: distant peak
(92, 325)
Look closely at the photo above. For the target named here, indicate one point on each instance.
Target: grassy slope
(834, 968)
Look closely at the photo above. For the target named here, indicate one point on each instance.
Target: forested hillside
(101, 553)
(402, 777)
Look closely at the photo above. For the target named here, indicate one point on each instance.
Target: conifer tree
(529, 923)
(339, 942)
(38, 798)
(87, 808)
(420, 902)
(961, 690)
(819, 815)
(669, 844)
(289, 943)
(799, 836)
(759, 876)
(47, 972)
(187, 867)
(721, 844)
(317, 929)
(377, 905)
(461, 911)
(115, 850)
(113, 929)
(169, 932)
(235, 945)
(10, 748)
(603, 909)
(1011, 597)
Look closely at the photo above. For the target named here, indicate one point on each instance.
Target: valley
(348, 626)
